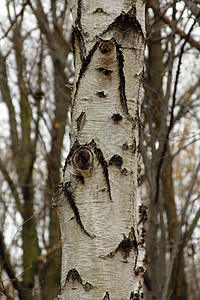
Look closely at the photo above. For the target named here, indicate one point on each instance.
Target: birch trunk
(98, 203)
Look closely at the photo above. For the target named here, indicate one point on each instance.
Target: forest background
(36, 72)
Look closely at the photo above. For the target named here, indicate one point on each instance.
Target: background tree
(34, 71)
(35, 66)
(167, 102)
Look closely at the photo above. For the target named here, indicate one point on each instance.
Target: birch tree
(98, 202)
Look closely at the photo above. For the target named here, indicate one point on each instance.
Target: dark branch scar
(106, 46)
(116, 160)
(82, 159)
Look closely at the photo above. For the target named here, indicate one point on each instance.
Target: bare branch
(12, 187)
(7, 266)
(194, 9)
(179, 234)
(171, 114)
(182, 34)
(15, 20)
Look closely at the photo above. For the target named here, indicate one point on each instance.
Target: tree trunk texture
(98, 203)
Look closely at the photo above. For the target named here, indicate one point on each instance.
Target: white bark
(102, 249)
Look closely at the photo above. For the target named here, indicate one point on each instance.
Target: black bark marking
(106, 297)
(125, 146)
(124, 172)
(127, 22)
(74, 276)
(126, 245)
(138, 121)
(78, 19)
(120, 59)
(117, 118)
(142, 213)
(80, 121)
(139, 270)
(77, 34)
(58, 189)
(104, 71)
(134, 146)
(68, 159)
(101, 94)
(80, 178)
(88, 286)
(85, 64)
(135, 296)
(100, 10)
(116, 160)
(104, 164)
(69, 195)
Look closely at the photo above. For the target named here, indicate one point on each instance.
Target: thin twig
(172, 112)
(178, 235)
(15, 20)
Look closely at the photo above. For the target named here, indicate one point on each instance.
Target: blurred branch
(179, 234)
(56, 40)
(62, 15)
(12, 187)
(5, 91)
(172, 156)
(7, 266)
(190, 40)
(45, 256)
(184, 104)
(171, 113)
(190, 231)
(195, 10)
(12, 23)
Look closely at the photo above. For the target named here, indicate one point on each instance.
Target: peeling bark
(98, 202)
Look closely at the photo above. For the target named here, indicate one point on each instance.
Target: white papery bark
(97, 204)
